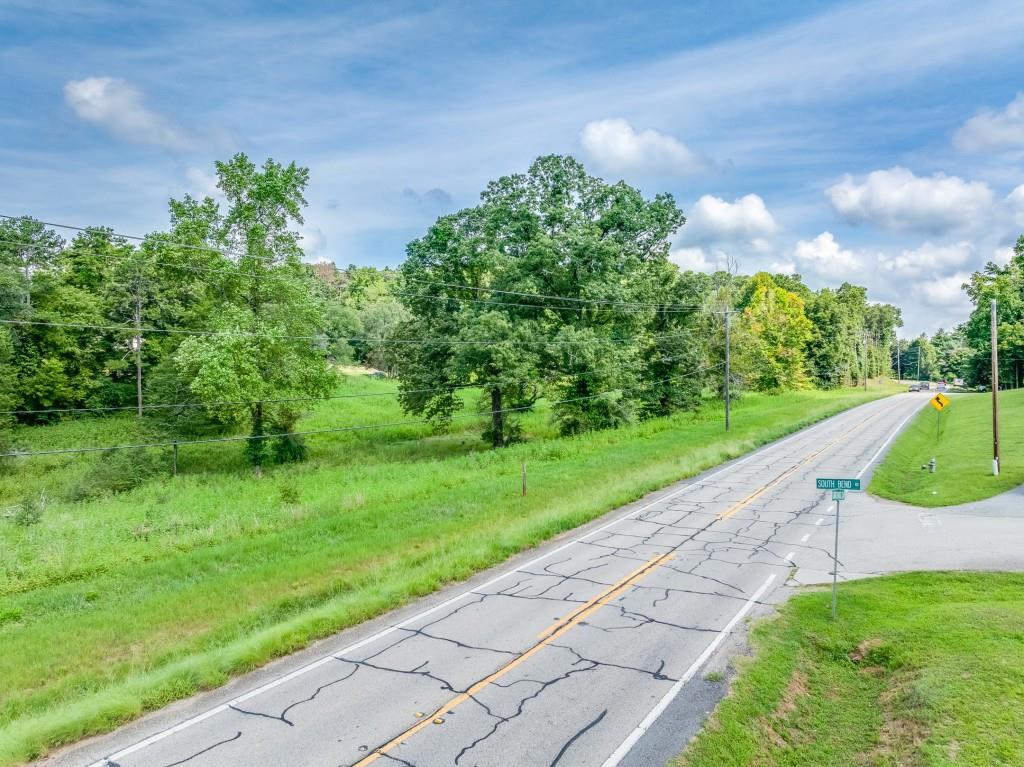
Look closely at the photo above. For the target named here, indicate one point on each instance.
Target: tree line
(966, 350)
(557, 286)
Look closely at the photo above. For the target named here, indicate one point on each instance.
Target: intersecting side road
(563, 659)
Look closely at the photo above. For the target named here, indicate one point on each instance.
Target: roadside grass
(963, 453)
(920, 669)
(122, 603)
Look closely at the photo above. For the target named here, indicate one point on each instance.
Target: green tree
(1005, 284)
(264, 346)
(600, 248)
(775, 318)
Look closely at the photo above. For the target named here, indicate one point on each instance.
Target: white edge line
(804, 539)
(885, 444)
(185, 724)
(619, 754)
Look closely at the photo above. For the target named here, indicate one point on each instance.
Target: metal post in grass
(995, 390)
(727, 370)
(524, 478)
(174, 460)
(835, 552)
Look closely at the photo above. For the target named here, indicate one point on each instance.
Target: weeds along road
(563, 658)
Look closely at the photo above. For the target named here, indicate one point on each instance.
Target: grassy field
(113, 604)
(920, 669)
(963, 453)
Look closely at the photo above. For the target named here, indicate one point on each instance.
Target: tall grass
(119, 604)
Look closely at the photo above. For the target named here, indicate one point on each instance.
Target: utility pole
(137, 347)
(995, 390)
(899, 374)
(864, 340)
(727, 370)
(919, 361)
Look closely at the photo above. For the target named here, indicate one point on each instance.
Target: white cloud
(202, 183)
(1002, 256)
(928, 260)
(993, 130)
(117, 106)
(617, 147)
(313, 241)
(1016, 201)
(944, 292)
(897, 199)
(690, 259)
(824, 257)
(782, 267)
(747, 218)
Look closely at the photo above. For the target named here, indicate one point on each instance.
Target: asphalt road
(592, 650)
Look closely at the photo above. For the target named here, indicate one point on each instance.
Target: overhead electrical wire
(461, 286)
(323, 337)
(326, 398)
(334, 430)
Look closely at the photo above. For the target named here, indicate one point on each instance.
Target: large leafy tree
(776, 319)
(263, 346)
(1005, 284)
(596, 250)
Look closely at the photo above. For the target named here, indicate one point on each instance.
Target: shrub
(30, 511)
(118, 471)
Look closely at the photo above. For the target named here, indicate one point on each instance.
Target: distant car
(941, 386)
(914, 387)
(981, 387)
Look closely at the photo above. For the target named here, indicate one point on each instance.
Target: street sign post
(837, 484)
(838, 488)
(940, 402)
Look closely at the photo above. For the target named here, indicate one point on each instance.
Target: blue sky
(873, 141)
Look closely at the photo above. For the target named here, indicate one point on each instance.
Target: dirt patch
(864, 648)
(901, 735)
(797, 687)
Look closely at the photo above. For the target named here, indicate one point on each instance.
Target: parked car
(914, 387)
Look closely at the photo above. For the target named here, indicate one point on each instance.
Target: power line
(163, 239)
(329, 397)
(311, 432)
(323, 337)
(135, 258)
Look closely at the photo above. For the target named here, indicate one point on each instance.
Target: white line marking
(185, 724)
(789, 557)
(885, 444)
(804, 539)
(820, 520)
(619, 754)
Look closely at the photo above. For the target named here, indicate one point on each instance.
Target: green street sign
(838, 495)
(838, 484)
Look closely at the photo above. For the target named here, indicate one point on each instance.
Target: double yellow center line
(563, 625)
(546, 637)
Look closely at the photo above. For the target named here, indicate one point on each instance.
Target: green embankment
(920, 669)
(963, 453)
(122, 603)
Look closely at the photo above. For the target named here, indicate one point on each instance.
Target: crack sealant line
(624, 748)
(619, 754)
(226, 706)
(551, 635)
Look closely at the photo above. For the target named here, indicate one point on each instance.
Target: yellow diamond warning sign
(940, 401)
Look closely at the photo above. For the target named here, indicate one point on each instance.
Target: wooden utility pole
(137, 346)
(727, 370)
(995, 390)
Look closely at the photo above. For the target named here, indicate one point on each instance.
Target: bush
(118, 471)
(30, 511)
